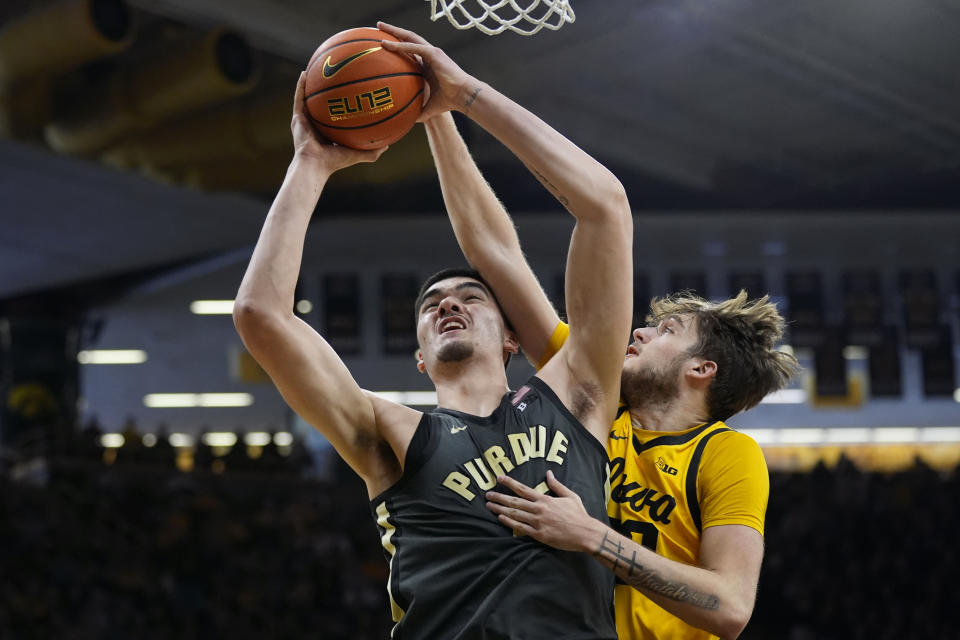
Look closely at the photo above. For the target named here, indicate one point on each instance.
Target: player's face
(653, 366)
(457, 318)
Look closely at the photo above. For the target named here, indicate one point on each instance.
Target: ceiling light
(854, 352)
(219, 439)
(112, 356)
(940, 434)
(896, 434)
(801, 436)
(181, 440)
(256, 439)
(304, 307)
(852, 435)
(211, 307)
(414, 398)
(112, 440)
(786, 396)
(225, 399)
(182, 400)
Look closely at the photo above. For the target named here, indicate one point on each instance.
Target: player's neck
(680, 414)
(471, 387)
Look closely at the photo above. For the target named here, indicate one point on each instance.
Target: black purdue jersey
(456, 572)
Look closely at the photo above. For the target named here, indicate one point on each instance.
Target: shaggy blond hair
(741, 336)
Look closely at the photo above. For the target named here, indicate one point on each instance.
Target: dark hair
(459, 272)
(443, 274)
(741, 337)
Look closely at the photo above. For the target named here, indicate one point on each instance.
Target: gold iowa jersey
(666, 488)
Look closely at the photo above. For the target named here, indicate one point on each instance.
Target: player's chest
(468, 458)
(649, 485)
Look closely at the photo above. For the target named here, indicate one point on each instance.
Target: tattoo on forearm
(472, 98)
(562, 198)
(611, 552)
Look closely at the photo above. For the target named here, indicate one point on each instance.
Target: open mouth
(451, 324)
(632, 351)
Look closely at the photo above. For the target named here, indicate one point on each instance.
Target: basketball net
(494, 16)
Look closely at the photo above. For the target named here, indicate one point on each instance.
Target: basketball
(359, 94)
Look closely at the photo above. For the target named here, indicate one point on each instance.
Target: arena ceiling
(729, 105)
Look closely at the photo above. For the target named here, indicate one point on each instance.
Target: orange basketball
(359, 94)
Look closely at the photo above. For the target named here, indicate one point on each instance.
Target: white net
(495, 16)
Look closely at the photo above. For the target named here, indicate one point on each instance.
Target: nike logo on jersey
(614, 436)
(458, 429)
(330, 70)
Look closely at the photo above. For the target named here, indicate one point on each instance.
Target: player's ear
(421, 367)
(702, 371)
(510, 341)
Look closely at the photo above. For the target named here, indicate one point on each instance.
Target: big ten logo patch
(361, 104)
(667, 469)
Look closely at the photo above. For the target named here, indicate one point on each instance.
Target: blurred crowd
(129, 546)
(853, 555)
(134, 547)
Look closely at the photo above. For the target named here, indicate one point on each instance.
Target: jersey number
(648, 532)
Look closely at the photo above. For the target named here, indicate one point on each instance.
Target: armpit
(583, 400)
(379, 450)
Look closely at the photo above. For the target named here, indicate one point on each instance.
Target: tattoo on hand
(634, 574)
(472, 98)
(562, 198)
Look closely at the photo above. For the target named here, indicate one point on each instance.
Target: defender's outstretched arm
(599, 263)
(489, 240)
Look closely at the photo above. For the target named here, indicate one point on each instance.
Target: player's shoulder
(395, 423)
(729, 447)
(726, 437)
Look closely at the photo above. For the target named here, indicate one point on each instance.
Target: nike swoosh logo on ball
(330, 70)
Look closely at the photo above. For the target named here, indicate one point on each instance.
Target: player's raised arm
(309, 374)
(599, 264)
(488, 238)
